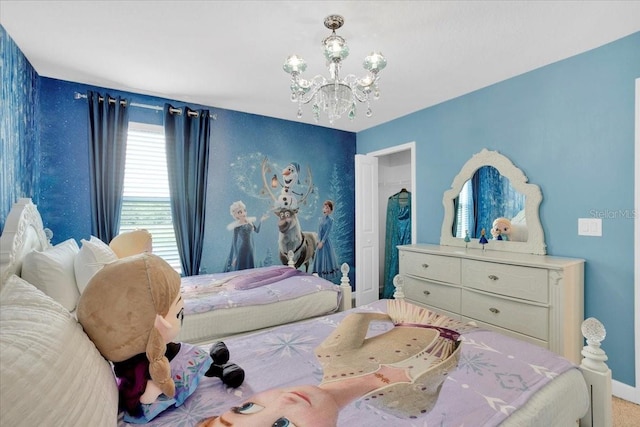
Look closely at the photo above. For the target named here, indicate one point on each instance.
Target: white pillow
(50, 371)
(93, 255)
(53, 273)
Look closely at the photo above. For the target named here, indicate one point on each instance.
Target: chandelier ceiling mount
(334, 95)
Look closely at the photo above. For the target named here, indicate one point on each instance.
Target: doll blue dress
(242, 247)
(325, 262)
(188, 367)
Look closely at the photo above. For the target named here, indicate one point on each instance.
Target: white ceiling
(229, 54)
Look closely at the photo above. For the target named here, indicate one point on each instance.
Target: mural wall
(45, 156)
(240, 145)
(282, 172)
(18, 126)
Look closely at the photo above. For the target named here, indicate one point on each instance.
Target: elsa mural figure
(325, 262)
(241, 254)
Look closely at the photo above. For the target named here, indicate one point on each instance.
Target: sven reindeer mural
(285, 206)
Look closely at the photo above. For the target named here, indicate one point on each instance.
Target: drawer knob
(494, 310)
(425, 265)
(493, 277)
(427, 293)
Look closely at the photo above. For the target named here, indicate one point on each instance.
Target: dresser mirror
(500, 190)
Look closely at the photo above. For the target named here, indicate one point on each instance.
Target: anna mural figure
(325, 262)
(241, 253)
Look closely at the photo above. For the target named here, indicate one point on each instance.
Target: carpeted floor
(625, 413)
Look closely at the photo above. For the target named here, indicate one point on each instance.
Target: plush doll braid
(159, 367)
(165, 288)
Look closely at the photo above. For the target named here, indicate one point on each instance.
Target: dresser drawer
(434, 267)
(511, 280)
(528, 319)
(455, 316)
(509, 332)
(438, 295)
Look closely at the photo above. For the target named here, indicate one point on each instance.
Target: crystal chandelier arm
(361, 96)
(363, 87)
(303, 90)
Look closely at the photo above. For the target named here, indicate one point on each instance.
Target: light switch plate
(589, 226)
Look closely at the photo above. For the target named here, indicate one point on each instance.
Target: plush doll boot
(231, 374)
(219, 353)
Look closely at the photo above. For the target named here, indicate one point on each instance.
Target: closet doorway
(387, 171)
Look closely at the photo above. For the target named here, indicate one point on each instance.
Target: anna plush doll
(132, 310)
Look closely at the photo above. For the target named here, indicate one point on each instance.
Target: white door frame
(367, 258)
(411, 146)
(619, 389)
(363, 294)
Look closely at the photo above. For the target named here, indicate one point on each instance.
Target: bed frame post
(292, 262)
(597, 375)
(345, 286)
(15, 237)
(398, 283)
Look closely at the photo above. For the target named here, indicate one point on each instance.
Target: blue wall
(570, 127)
(18, 126)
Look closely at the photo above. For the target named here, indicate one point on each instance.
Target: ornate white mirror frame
(535, 243)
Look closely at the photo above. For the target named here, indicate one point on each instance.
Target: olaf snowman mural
(287, 198)
(291, 238)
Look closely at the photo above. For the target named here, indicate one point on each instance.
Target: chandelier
(335, 96)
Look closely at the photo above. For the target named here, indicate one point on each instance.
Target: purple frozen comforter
(496, 375)
(256, 286)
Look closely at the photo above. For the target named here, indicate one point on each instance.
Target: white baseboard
(626, 392)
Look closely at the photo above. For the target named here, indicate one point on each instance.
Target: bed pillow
(52, 271)
(94, 254)
(51, 372)
(132, 242)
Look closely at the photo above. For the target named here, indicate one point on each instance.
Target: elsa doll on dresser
(241, 253)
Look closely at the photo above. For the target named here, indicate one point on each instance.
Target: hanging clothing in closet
(398, 232)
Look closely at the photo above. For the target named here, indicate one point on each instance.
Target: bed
(216, 305)
(53, 374)
(235, 304)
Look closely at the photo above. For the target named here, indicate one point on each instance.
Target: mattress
(553, 406)
(223, 304)
(202, 327)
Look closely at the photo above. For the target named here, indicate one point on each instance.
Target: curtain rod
(78, 95)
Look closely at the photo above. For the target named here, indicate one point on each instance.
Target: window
(465, 210)
(146, 200)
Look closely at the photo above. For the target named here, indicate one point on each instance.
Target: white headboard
(23, 232)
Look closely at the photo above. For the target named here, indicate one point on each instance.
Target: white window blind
(146, 200)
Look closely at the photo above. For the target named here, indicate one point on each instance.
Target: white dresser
(536, 298)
